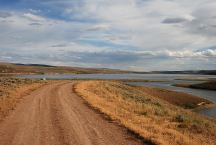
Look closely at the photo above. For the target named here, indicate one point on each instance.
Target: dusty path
(54, 115)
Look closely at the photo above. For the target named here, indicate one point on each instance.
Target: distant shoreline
(209, 85)
(19, 68)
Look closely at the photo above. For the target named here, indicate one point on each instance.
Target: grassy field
(12, 90)
(148, 116)
(209, 85)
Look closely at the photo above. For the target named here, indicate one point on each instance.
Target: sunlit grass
(154, 119)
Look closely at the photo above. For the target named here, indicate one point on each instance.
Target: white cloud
(33, 17)
(142, 23)
(100, 27)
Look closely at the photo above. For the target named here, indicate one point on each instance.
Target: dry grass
(12, 91)
(177, 98)
(152, 118)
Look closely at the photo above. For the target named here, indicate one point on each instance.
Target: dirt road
(54, 115)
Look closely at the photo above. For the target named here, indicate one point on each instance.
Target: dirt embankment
(151, 117)
(184, 100)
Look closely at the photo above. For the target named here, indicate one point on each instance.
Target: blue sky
(140, 35)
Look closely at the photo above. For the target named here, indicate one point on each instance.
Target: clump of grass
(160, 112)
(189, 105)
(181, 118)
(150, 117)
(194, 125)
(144, 113)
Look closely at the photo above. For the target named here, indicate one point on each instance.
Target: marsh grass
(150, 117)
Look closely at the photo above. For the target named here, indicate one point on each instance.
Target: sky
(139, 35)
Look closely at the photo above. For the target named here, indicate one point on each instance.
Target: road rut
(55, 115)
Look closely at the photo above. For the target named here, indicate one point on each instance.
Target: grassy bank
(181, 99)
(11, 92)
(210, 85)
(154, 119)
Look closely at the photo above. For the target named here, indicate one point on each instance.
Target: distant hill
(43, 65)
(195, 72)
(19, 68)
(202, 72)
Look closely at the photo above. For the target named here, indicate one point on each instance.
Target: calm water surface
(169, 78)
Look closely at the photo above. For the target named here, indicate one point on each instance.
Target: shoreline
(208, 85)
(184, 100)
(190, 102)
(203, 107)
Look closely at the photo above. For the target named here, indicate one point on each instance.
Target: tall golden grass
(152, 118)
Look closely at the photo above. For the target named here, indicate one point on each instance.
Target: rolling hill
(18, 68)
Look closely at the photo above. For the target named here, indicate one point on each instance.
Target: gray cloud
(101, 27)
(59, 45)
(115, 59)
(205, 20)
(174, 20)
(35, 24)
(5, 14)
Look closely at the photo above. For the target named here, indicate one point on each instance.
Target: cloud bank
(127, 34)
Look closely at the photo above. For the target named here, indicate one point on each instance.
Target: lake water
(168, 79)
